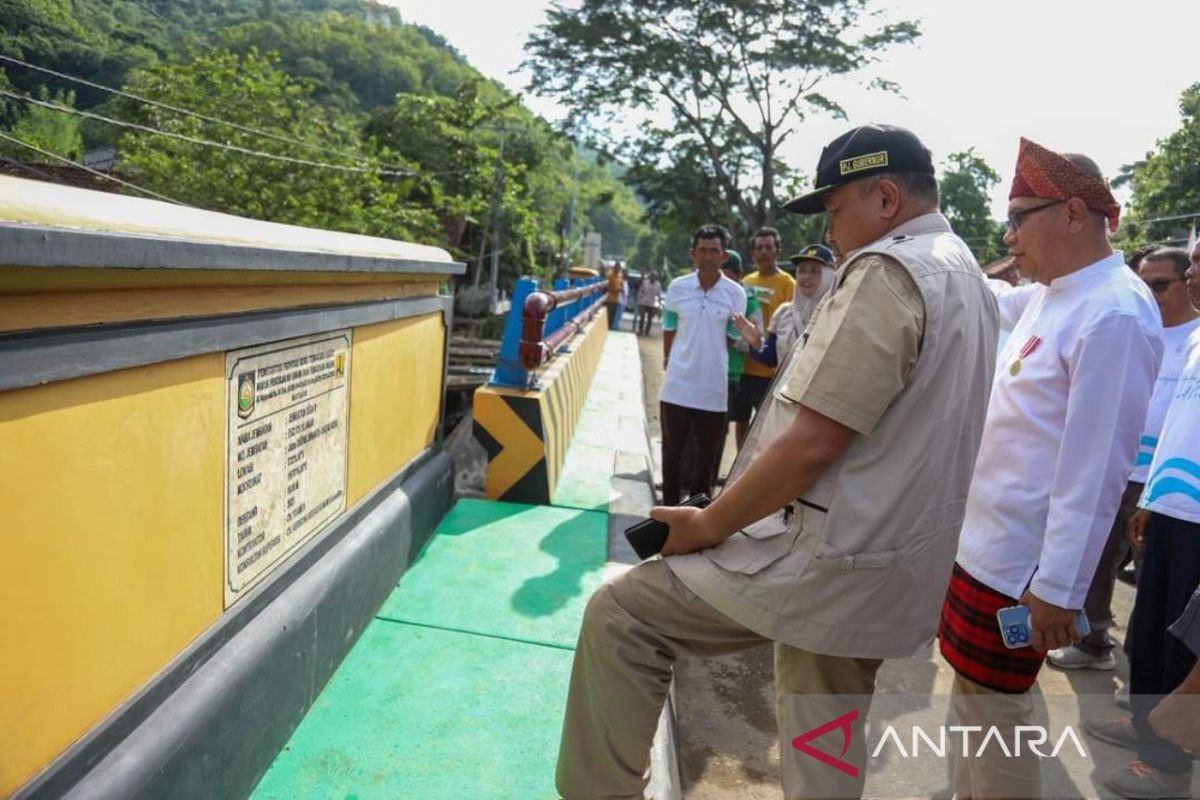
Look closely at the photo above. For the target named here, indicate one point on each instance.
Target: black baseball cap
(865, 151)
(814, 252)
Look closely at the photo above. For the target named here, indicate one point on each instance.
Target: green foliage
(457, 142)
(682, 192)
(251, 91)
(355, 66)
(611, 209)
(737, 78)
(47, 129)
(41, 127)
(99, 40)
(1166, 183)
(966, 183)
(315, 71)
(104, 39)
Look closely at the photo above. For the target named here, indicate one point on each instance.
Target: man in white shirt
(1163, 271)
(649, 300)
(1068, 402)
(696, 334)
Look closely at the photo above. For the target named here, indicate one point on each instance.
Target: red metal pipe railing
(534, 349)
(567, 295)
(569, 329)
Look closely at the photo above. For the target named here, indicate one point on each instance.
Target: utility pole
(493, 219)
(498, 220)
(567, 240)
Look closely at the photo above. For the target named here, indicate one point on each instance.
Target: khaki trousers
(992, 775)
(634, 629)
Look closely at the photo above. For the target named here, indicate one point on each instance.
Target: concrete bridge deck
(457, 688)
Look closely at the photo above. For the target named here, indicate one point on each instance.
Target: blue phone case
(1014, 626)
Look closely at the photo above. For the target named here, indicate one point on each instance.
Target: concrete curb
(631, 498)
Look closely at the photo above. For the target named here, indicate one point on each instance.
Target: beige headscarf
(794, 317)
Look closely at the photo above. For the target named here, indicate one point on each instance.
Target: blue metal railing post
(509, 371)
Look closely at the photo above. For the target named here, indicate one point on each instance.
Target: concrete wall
(114, 403)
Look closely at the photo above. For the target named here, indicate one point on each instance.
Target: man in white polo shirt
(696, 334)
(1068, 403)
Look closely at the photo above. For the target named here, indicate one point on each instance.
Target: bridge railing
(538, 324)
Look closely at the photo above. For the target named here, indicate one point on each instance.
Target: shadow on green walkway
(545, 595)
(503, 569)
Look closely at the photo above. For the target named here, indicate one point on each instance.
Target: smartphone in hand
(1015, 630)
(648, 536)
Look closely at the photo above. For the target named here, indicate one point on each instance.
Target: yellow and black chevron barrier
(526, 433)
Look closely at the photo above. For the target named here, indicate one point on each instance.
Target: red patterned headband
(1043, 173)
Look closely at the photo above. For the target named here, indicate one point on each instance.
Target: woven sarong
(970, 638)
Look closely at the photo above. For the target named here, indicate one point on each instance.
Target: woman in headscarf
(815, 275)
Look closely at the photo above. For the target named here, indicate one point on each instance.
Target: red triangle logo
(842, 723)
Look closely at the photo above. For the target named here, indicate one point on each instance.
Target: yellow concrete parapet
(526, 433)
(138, 339)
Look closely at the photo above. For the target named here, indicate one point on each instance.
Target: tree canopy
(1166, 183)
(965, 184)
(677, 109)
(325, 81)
(737, 78)
(253, 92)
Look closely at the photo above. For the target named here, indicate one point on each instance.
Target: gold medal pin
(1026, 349)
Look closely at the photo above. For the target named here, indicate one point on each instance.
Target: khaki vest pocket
(827, 558)
(757, 546)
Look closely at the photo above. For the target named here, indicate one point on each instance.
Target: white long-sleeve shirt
(1066, 412)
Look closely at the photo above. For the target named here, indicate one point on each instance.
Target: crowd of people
(646, 292)
(922, 450)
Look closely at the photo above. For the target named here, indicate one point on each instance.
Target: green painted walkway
(457, 688)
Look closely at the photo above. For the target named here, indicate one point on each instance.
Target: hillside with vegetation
(326, 113)
(413, 143)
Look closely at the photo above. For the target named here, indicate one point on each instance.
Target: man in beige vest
(819, 542)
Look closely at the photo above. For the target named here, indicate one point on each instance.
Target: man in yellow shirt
(773, 287)
(614, 296)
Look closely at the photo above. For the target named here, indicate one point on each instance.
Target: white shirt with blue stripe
(1175, 352)
(1173, 487)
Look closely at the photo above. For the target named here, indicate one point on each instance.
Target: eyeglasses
(1162, 284)
(1017, 218)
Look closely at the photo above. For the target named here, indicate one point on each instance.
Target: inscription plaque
(285, 471)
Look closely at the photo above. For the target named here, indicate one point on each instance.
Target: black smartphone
(648, 536)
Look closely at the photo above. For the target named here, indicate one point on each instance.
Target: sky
(1100, 78)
